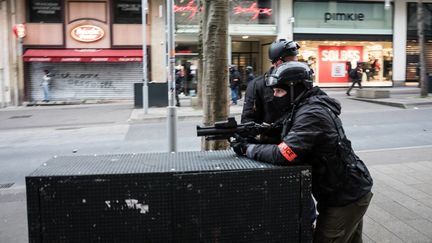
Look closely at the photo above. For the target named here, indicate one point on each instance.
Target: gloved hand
(239, 145)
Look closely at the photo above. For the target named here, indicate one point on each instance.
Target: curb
(395, 103)
(140, 118)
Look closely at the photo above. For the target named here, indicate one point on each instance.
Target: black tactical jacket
(313, 134)
(258, 105)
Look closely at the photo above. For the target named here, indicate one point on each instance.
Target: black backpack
(353, 73)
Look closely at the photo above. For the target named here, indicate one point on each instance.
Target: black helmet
(282, 48)
(289, 74)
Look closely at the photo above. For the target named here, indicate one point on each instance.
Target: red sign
(253, 9)
(87, 33)
(332, 61)
(189, 7)
(83, 59)
(19, 30)
(192, 8)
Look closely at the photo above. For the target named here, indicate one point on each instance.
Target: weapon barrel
(212, 131)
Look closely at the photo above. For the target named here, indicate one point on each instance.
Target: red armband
(287, 152)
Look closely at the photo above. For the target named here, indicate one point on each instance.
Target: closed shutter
(86, 81)
(412, 52)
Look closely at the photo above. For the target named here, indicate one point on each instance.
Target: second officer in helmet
(258, 104)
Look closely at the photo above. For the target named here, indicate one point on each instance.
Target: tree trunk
(200, 54)
(215, 70)
(420, 31)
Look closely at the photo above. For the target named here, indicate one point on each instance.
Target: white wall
(399, 41)
(285, 27)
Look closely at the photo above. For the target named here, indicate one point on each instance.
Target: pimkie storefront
(335, 36)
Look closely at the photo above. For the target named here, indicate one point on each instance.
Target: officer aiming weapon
(230, 129)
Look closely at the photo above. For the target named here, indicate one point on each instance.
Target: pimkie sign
(87, 33)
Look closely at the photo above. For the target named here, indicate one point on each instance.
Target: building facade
(93, 48)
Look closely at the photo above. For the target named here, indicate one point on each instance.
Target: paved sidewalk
(401, 208)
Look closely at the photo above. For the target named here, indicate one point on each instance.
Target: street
(29, 136)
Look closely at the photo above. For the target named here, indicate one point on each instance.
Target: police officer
(313, 134)
(261, 107)
(258, 105)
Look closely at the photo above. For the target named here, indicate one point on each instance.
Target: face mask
(282, 103)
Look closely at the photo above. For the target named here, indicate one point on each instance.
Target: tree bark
(215, 70)
(423, 79)
(200, 54)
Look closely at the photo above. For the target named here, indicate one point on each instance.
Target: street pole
(3, 50)
(144, 9)
(171, 109)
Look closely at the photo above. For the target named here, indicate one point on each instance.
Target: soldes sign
(87, 33)
(333, 62)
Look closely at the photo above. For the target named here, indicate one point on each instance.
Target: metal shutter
(86, 81)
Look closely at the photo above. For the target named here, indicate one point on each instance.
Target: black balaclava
(285, 103)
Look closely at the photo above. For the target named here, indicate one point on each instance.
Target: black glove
(239, 145)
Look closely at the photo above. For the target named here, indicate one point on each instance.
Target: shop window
(240, 12)
(45, 11)
(127, 12)
(412, 20)
(252, 11)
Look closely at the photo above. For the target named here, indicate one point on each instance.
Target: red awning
(82, 55)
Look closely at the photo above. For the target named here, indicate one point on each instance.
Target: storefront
(412, 47)
(252, 28)
(92, 49)
(335, 36)
(84, 74)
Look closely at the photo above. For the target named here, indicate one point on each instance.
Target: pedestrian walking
(249, 74)
(356, 78)
(179, 80)
(313, 134)
(45, 84)
(235, 81)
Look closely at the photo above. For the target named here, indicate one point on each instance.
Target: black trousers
(342, 224)
(356, 81)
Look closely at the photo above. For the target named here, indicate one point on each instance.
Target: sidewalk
(184, 112)
(403, 97)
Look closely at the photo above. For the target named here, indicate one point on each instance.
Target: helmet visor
(271, 81)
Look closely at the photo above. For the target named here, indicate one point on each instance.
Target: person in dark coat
(235, 82)
(356, 78)
(313, 134)
(249, 74)
(179, 79)
(258, 104)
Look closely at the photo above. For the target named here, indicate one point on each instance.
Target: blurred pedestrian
(178, 85)
(235, 80)
(249, 75)
(356, 78)
(45, 84)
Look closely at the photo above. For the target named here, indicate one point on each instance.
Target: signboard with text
(342, 17)
(332, 61)
(46, 11)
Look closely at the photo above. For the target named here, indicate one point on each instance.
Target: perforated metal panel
(167, 197)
